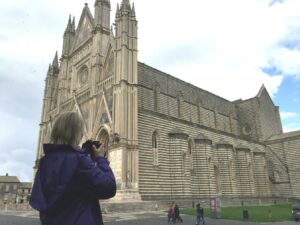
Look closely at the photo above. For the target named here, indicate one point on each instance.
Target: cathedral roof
(291, 134)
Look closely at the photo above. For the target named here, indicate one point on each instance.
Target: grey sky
(198, 41)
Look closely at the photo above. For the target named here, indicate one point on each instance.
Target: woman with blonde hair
(68, 184)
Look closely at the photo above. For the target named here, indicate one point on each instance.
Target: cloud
(17, 162)
(229, 48)
(291, 121)
(16, 168)
(288, 127)
(272, 2)
(288, 115)
(224, 51)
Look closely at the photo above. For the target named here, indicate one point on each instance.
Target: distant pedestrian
(170, 213)
(200, 214)
(177, 216)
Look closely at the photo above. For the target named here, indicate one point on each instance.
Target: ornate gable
(108, 69)
(84, 29)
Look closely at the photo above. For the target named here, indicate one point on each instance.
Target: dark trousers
(200, 218)
(177, 218)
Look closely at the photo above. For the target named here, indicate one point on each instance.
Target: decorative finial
(133, 10)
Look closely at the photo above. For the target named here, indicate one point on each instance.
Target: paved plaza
(136, 218)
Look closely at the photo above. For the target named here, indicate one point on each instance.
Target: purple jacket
(68, 186)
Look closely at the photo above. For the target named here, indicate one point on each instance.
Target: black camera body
(88, 147)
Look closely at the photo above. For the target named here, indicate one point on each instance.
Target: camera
(88, 147)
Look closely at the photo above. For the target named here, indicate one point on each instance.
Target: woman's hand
(101, 151)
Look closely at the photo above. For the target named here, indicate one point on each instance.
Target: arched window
(217, 180)
(190, 145)
(180, 104)
(156, 92)
(154, 139)
(199, 105)
(155, 148)
(83, 75)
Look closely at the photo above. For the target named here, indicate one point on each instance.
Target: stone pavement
(134, 218)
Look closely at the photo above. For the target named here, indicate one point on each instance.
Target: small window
(154, 139)
(156, 92)
(155, 148)
(179, 107)
(180, 104)
(199, 105)
(83, 75)
(190, 154)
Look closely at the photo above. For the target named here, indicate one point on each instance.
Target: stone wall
(214, 154)
(284, 149)
(256, 118)
(182, 100)
(268, 115)
(175, 177)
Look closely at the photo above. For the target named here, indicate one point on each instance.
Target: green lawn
(256, 213)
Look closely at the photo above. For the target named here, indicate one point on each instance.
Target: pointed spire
(50, 70)
(55, 64)
(73, 24)
(118, 10)
(125, 5)
(133, 10)
(69, 26)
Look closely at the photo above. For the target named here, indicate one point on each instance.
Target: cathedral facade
(167, 138)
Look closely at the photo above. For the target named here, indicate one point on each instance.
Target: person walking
(200, 214)
(170, 213)
(177, 216)
(68, 184)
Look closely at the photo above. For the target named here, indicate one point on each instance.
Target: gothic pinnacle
(55, 63)
(50, 70)
(118, 10)
(133, 10)
(125, 4)
(73, 24)
(69, 26)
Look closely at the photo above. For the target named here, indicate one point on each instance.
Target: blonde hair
(68, 129)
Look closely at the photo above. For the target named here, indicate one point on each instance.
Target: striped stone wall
(226, 166)
(284, 151)
(196, 105)
(203, 179)
(245, 180)
(260, 174)
(229, 158)
(193, 166)
(292, 148)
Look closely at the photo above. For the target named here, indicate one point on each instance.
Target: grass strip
(270, 213)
